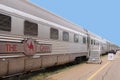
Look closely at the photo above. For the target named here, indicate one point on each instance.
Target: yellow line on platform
(92, 76)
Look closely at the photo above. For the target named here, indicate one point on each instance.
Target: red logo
(30, 47)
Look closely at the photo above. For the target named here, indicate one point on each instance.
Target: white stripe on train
(18, 12)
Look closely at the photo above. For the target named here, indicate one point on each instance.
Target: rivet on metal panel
(3, 59)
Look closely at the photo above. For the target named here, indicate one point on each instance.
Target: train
(32, 38)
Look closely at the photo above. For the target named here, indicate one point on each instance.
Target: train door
(88, 45)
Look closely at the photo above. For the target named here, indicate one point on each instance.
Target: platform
(108, 70)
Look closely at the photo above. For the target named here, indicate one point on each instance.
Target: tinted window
(30, 28)
(94, 42)
(84, 40)
(5, 23)
(65, 36)
(91, 41)
(76, 38)
(53, 33)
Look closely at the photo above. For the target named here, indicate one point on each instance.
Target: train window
(91, 41)
(76, 38)
(5, 22)
(84, 40)
(65, 36)
(94, 42)
(54, 33)
(30, 28)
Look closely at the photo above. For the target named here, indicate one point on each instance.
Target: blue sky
(101, 17)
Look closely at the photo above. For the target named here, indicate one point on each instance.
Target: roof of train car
(28, 7)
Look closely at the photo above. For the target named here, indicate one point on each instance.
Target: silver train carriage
(32, 38)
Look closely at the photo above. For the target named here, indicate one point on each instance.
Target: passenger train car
(32, 38)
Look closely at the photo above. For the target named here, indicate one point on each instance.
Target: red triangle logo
(30, 46)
